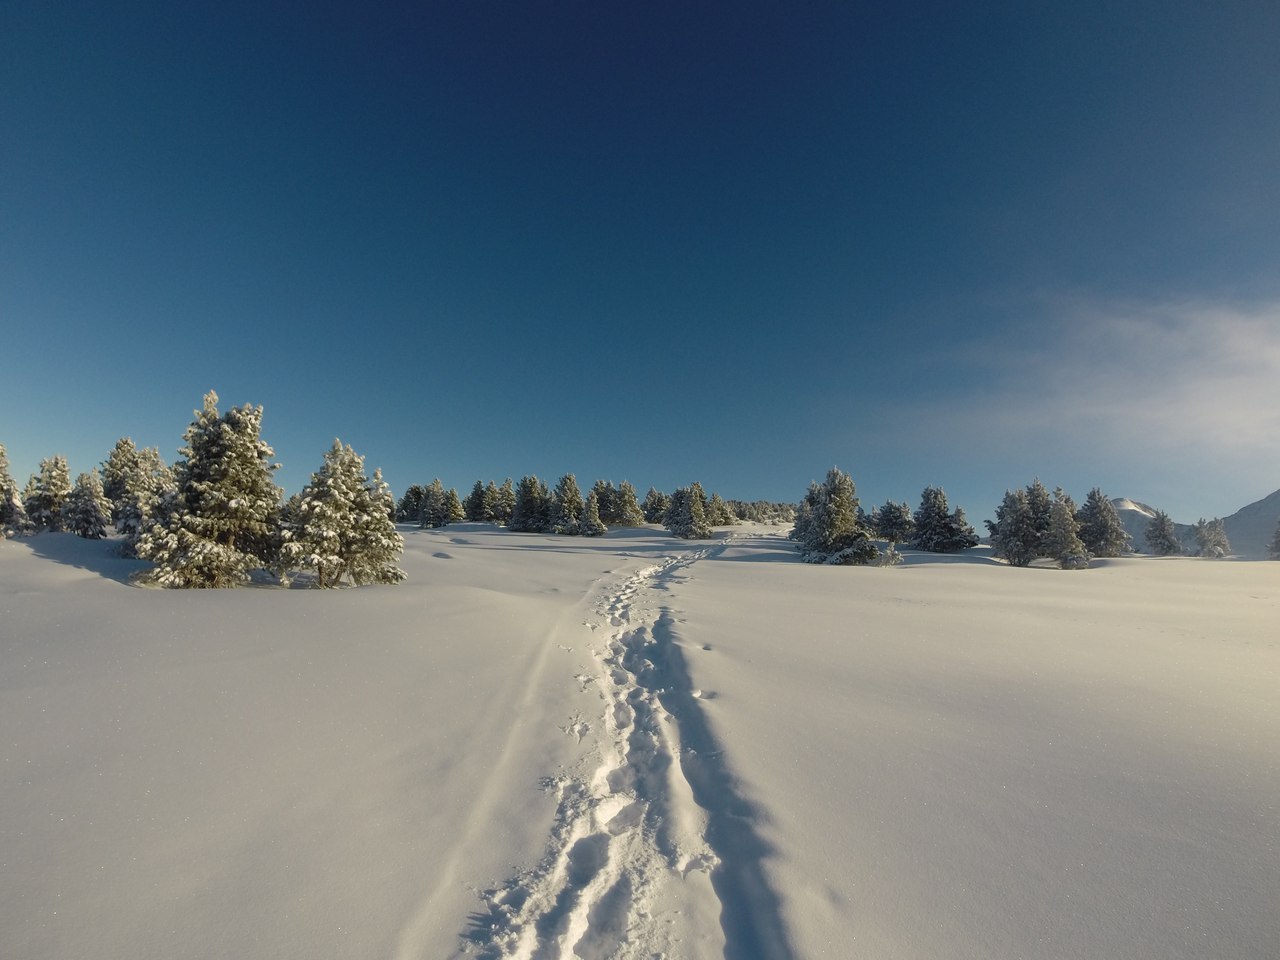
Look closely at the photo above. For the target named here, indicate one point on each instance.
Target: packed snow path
(652, 849)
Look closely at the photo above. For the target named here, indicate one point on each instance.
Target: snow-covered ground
(544, 747)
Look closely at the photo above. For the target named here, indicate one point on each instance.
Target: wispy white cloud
(1185, 395)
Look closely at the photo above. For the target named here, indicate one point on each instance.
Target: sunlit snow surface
(545, 747)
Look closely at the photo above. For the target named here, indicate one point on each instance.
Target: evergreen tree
(1041, 505)
(28, 496)
(718, 512)
(1211, 538)
(453, 506)
(531, 512)
(87, 510)
(627, 512)
(1013, 534)
(434, 510)
(655, 506)
(567, 506)
(52, 487)
(491, 502)
(340, 526)
(936, 529)
(121, 468)
(893, 522)
(409, 509)
(474, 506)
(225, 513)
(591, 524)
(831, 531)
(1101, 531)
(1161, 536)
(686, 517)
(1275, 543)
(147, 492)
(13, 514)
(607, 494)
(505, 503)
(1062, 542)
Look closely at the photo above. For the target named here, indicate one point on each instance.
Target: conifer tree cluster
(1030, 524)
(87, 511)
(686, 513)
(939, 529)
(1162, 536)
(139, 485)
(13, 513)
(1101, 531)
(655, 506)
(1211, 538)
(828, 527)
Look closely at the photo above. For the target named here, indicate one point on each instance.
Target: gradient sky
(732, 242)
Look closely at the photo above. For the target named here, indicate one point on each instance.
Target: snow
(637, 746)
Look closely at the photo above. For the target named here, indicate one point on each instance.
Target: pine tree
(1211, 538)
(1062, 542)
(52, 487)
(1274, 549)
(531, 512)
(1101, 531)
(433, 511)
(474, 506)
(591, 525)
(1161, 536)
(491, 502)
(627, 512)
(87, 510)
(655, 506)
(567, 506)
(1041, 505)
(119, 470)
(607, 494)
(686, 517)
(224, 518)
(340, 525)
(1013, 534)
(505, 504)
(831, 531)
(147, 494)
(893, 522)
(718, 512)
(409, 508)
(13, 514)
(936, 529)
(453, 506)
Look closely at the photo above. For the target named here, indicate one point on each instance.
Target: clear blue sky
(933, 243)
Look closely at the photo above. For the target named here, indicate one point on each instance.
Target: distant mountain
(1249, 529)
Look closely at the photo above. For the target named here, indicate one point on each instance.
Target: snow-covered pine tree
(224, 517)
(894, 523)
(655, 506)
(146, 498)
(409, 507)
(627, 512)
(340, 525)
(433, 511)
(1101, 531)
(505, 503)
(718, 512)
(13, 514)
(591, 525)
(686, 516)
(1161, 536)
(1040, 504)
(1013, 534)
(87, 511)
(1211, 538)
(52, 487)
(567, 506)
(937, 529)
(607, 494)
(531, 512)
(120, 468)
(453, 506)
(474, 507)
(491, 503)
(803, 523)
(1062, 543)
(832, 532)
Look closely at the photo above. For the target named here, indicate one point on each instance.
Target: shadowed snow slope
(547, 747)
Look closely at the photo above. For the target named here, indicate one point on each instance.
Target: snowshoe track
(628, 844)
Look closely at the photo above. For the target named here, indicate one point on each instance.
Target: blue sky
(662, 242)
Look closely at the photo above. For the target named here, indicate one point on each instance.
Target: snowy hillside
(640, 747)
(1250, 529)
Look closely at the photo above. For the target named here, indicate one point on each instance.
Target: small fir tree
(52, 487)
(831, 531)
(938, 529)
(224, 518)
(1062, 543)
(1101, 531)
(1013, 534)
(591, 525)
(409, 507)
(893, 523)
(567, 506)
(1161, 536)
(1211, 538)
(87, 511)
(340, 525)
(474, 505)
(627, 512)
(453, 506)
(531, 512)
(607, 494)
(147, 496)
(505, 503)
(434, 510)
(686, 517)
(718, 512)
(655, 506)
(121, 469)
(1040, 505)
(13, 514)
